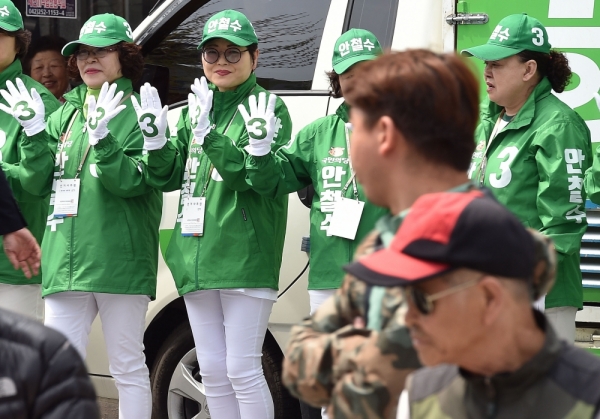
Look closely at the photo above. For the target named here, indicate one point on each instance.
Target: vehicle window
(377, 16)
(289, 33)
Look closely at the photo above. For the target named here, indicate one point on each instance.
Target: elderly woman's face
(96, 70)
(504, 79)
(50, 69)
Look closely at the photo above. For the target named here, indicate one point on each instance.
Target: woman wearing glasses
(226, 248)
(101, 242)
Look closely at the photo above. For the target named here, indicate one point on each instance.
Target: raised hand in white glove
(200, 104)
(152, 118)
(260, 124)
(597, 97)
(27, 107)
(102, 112)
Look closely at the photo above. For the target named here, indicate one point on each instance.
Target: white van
(296, 44)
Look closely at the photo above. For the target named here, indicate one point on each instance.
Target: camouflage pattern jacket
(355, 372)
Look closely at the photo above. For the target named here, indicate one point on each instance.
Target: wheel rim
(186, 398)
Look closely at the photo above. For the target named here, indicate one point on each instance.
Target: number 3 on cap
(539, 39)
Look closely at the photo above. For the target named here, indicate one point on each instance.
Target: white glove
(260, 124)
(152, 118)
(27, 108)
(101, 113)
(597, 97)
(200, 104)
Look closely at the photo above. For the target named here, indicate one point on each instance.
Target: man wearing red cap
(413, 116)
(470, 271)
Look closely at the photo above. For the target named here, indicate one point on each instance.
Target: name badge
(192, 222)
(346, 217)
(66, 199)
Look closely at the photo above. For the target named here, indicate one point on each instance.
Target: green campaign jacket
(111, 246)
(34, 208)
(318, 156)
(535, 166)
(244, 232)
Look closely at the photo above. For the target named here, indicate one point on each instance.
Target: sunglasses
(424, 302)
(101, 52)
(232, 55)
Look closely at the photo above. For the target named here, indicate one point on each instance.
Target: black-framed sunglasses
(424, 302)
(83, 54)
(231, 54)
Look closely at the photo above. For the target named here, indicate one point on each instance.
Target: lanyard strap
(211, 168)
(63, 138)
(353, 177)
(484, 159)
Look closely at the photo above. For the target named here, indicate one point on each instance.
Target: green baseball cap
(230, 25)
(101, 31)
(10, 17)
(514, 34)
(354, 46)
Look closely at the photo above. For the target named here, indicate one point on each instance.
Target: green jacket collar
(10, 73)
(524, 117)
(343, 111)
(232, 98)
(76, 97)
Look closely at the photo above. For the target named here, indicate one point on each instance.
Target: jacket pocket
(251, 232)
(125, 236)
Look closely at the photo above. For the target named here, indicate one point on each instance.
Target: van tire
(181, 341)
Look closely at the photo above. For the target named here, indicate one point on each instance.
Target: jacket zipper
(71, 253)
(491, 399)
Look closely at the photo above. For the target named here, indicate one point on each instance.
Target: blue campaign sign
(52, 8)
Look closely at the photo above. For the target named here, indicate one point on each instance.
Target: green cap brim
(490, 52)
(236, 40)
(344, 65)
(8, 27)
(72, 46)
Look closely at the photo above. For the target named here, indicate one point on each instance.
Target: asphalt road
(109, 408)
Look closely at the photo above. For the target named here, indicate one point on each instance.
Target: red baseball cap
(449, 230)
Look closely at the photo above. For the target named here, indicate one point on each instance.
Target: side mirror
(157, 76)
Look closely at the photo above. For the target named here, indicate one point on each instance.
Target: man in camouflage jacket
(354, 353)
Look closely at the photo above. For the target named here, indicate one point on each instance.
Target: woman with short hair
(100, 251)
(226, 249)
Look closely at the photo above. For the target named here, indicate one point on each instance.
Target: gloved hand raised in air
(27, 107)
(100, 113)
(260, 123)
(152, 117)
(200, 104)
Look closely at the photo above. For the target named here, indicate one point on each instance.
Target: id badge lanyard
(353, 173)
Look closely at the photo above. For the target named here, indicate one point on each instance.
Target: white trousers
(318, 297)
(229, 329)
(562, 319)
(123, 323)
(23, 299)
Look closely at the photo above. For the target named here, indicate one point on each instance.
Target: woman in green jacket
(100, 249)
(226, 248)
(18, 293)
(533, 150)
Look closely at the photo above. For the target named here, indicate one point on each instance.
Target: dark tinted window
(289, 33)
(377, 16)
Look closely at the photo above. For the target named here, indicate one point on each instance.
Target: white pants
(123, 320)
(318, 297)
(562, 319)
(229, 329)
(23, 299)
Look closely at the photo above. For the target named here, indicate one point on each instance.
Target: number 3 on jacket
(503, 179)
